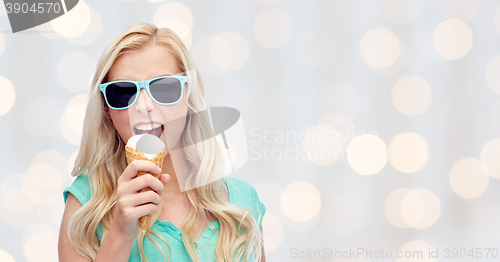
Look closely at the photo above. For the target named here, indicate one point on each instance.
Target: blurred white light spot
(402, 12)
(5, 257)
(490, 157)
(92, 32)
(408, 152)
(178, 18)
(32, 191)
(272, 28)
(353, 14)
(393, 205)
(19, 221)
(469, 178)
(344, 215)
(412, 95)
(229, 51)
(417, 250)
(18, 211)
(367, 154)
(267, 193)
(395, 67)
(71, 122)
(323, 145)
(46, 177)
(379, 48)
(273, 231)
(266, 3)
(452, 39)
(13, 197)
(316, 48)
(431, 210)
(342, 124)
(156, 1)
(16, 202)
(55, 160)
(300, 201)
(412, 208)
(339, 98)
(460, 9)
(180, 28)
(40, 243)
(201, 54)
(74, 23)
(41, 116)
(173, 10)
(75, 71)
(8, 97)
(493, 74)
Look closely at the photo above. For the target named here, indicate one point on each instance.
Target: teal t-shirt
(241, 194)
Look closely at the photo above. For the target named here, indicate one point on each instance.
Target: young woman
(219, 221)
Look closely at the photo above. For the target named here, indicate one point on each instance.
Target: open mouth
(154, 129)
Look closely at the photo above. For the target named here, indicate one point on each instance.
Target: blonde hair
(239, 235)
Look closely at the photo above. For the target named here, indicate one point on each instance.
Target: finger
(143, 210)
(165, 178)
(145, 181)
(145, 198)
(139, 165)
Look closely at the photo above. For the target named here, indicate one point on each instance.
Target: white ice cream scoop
(149, 145)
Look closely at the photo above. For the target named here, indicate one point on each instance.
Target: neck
(173, 162)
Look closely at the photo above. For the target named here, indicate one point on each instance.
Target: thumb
(165, 178)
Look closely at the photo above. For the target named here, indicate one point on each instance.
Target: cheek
(121, 121)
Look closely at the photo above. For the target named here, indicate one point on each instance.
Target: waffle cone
(133, 154)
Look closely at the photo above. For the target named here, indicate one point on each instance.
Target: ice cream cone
(133, 154)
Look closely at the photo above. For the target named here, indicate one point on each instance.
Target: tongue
(155, 131)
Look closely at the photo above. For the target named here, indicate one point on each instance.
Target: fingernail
(159, 169)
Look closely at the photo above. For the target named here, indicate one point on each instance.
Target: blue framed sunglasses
(164, 90)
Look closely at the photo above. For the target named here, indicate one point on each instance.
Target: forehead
(146, 63)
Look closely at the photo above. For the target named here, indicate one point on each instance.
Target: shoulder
(244, 195)
(80, 189)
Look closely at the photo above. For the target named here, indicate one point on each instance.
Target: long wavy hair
(239, 235)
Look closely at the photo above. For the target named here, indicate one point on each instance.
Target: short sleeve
(242, 194)
(80, 188)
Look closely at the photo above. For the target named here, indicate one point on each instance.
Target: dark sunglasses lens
(121, 94)
(166, 90)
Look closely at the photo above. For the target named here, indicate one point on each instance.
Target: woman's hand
(130, 204)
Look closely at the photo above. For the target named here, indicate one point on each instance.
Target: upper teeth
(148, 127)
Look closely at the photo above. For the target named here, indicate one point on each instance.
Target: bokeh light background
(372, 124)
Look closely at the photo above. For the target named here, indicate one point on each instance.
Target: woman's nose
(144, 102)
